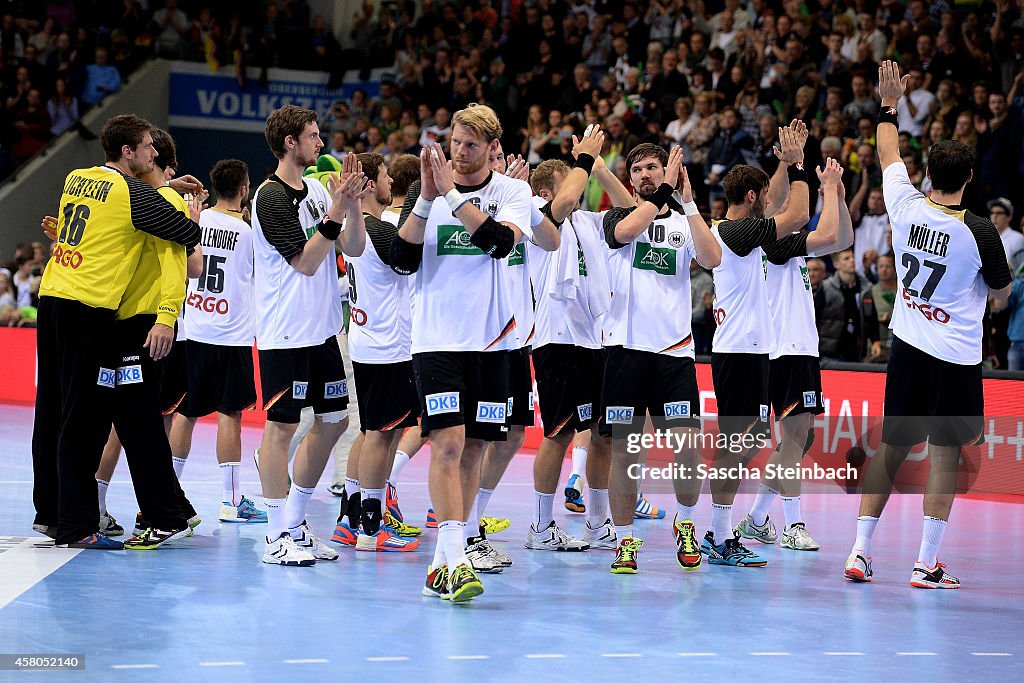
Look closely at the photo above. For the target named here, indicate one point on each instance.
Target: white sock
(351, 486)
(543, 506)
(684, 512)
(101, 490)
(791, 510)
(483, 497)
(579, 460)
(275, 518)
(471, 525)
(762, 503)
(401, 460)
(450, 535)
(179, 465)
(295, 508)
(597, 513)
(438, 555)
(721, 522)
(865, 529)
(230, 473)
(931, 539)
(622, 532)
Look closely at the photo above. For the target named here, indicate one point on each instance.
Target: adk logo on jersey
(658, 259)
(517, 256)
(299, 389)
(129, 374)
(107, 378)
(764, 413)
(807, 280)
(585, 412)
(336, 389)
(453, 240)
(447, 402)
(620, 415)
(810, 399)
(493, 413)
(583, 261)
(677, 410)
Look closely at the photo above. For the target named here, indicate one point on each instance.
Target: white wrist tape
(454, 199)
(690, 209)
(422, 207)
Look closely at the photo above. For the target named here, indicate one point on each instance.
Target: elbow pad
(405, 256)
(493, 238)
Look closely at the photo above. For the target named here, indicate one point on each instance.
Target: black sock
(353, 509)
(344, 505)
(371, 516)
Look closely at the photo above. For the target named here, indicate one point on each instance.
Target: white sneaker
(602, 537)
(858, 568)
(795, 537)
(481, 559)
(284, 551)
(109, 526)
(313, 545)
(553, 538)
(499, 557)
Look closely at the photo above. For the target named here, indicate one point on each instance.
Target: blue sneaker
(645, 510)
(94, 542)
(391, 502)
(731, 552)
(245, 513)
(574, 495)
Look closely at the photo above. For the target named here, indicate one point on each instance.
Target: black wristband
(586, 162)
(797, 172)
(329, 229)
(888, 115)
(661, 196)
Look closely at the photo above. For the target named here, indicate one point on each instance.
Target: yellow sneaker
(494, 525)
(404, 530)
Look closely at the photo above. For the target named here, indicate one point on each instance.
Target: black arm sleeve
(546, 210)
(744, 235)
(410, 201)
(404, 257)
(994, 268)
(279, 221)
(790, 246)
(381, 233)
(154, 215)
(611, 219)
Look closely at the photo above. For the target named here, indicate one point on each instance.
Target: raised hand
(195, 207)
(890, 85)
(187, 184)
(591, 143)
(675, 162)
(831, 175)
(428, 190)
(790, 150)
(444, 179)
(799, 129)
(516, 167)
(49, 225)
(348, 190)
(685, 190)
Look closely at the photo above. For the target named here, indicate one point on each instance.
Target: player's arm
(791, 151)
(995, 270)
(586, 151)
(617, 192)
(195, 263)
(347, 195)
(706, 248)
(406, 249)
(844, 240)
(622, 227)
(825, 237)
(282, 229)
(890, 89)
(778, 186)
(173, 279)
(543, 228)
(154, 215)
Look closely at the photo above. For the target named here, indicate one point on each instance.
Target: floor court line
(23, 566)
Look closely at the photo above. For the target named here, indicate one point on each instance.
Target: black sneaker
(151, 538)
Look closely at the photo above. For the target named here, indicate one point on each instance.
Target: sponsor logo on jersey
(659, 259)
(585, 412)
(677, 410)
(453, 240)
(336, 389)
(675, 239)
(299, 389)
(493, 413)
(517, 256)
(208, 304)
(810, 399)
(583, 261)
(447, 402)
(764, 413)
(69, 258)
(807, 279)
(107, 378)
(129, 374)
(621, 415)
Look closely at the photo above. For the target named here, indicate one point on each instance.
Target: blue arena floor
(207, 609)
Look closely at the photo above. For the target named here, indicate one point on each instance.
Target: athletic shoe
(345, 534)
(109, 526)
(386, 540)
(494, 525)
(795, 537)
(574, 495)
(687, 551)
(936, 577)
(94, 542)
(731, 552)
(193, 522)
(645, 510)
(765, 533)
(336, 489)
(858, 568)
(284, 551)
(140, 525)
(437, 583)
(48, 531)
(313, 545)
(603, 537)
(480, 558)
(553, 538)
(391, 502)
(464, 584)
(625, 556)
(151, 539)
(499, 557)
(431, 522)
(404, 530)
(245, 513)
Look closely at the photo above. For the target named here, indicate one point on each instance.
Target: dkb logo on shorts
(107, 378)
(677, 410)
(129, 374)
(490, 412)
(336, 389)
(299, 389)
(618, 415)
(447, 402)
(585, 412)
(810, 399)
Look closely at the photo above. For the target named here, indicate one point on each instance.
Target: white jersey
(381, 322)
(572, 291)
(872, 233)
(292, 310)
(650, 281)
(946, 259)
(790, 300)
(460, 295)
(517, 279)
(219, 302)
(741, 294)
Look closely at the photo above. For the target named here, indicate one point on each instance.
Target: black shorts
(931, 399)
(741, 390)
(795, 386)
(386, 396)
(520, 386)
(569, 382)
(220, 379)
(314, 376)
(641, 382)
(173, 379)
(463, 388)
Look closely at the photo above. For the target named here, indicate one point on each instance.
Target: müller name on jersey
(921, 238)
(219, 239)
